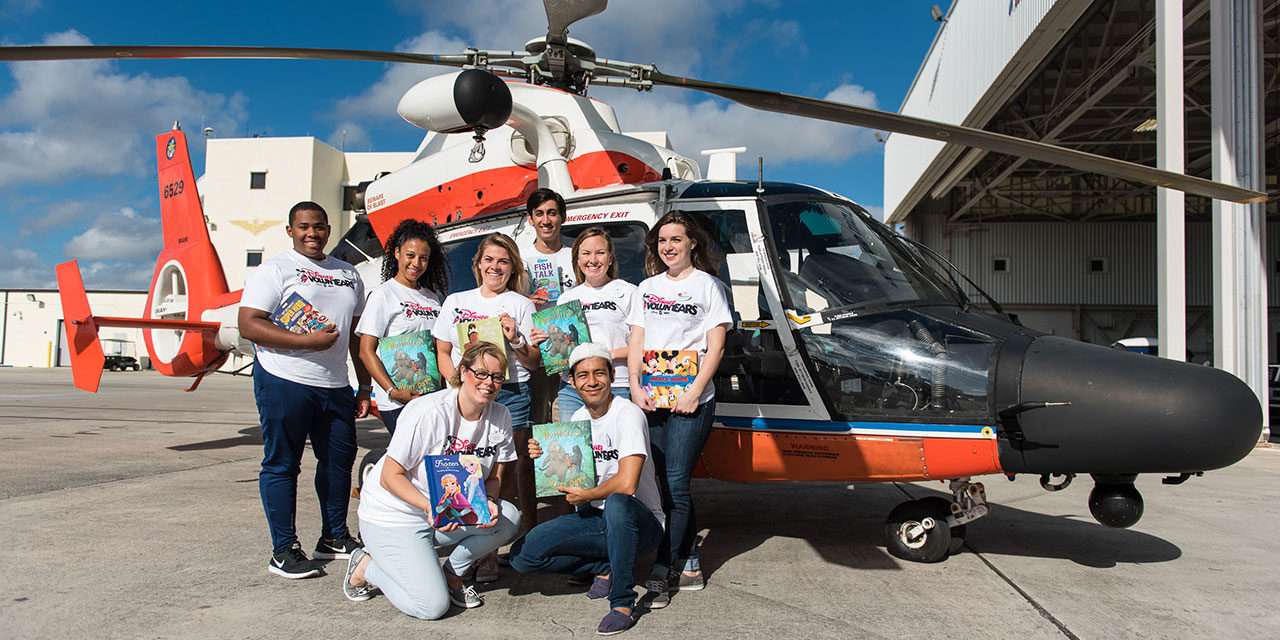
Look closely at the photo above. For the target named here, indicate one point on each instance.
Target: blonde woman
(400, 557)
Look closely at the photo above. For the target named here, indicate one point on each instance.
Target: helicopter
(855, 355)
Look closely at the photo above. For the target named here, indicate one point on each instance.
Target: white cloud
(707, 124)
(22, 268)
(19, 7)
(114, 274)
(83, 118)
(350, 136)
(124, 235)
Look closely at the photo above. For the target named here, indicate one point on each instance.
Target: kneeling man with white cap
(618, 520)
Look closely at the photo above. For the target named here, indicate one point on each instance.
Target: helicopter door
(758, 377)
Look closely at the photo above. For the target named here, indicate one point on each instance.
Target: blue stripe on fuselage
(790, 424)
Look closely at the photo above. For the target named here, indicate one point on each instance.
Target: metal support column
(1171, 259)
(1239, 230)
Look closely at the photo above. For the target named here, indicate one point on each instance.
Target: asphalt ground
(135, 514)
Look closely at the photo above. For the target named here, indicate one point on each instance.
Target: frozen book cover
(410, 360)
(667, 375)
(566, 328)
(475, 331)
(297, 315)
(567, 459)
(456, 483)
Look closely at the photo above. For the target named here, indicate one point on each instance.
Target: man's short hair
(306, 205)
(537, 198)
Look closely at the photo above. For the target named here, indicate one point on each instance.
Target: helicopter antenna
(760, 174)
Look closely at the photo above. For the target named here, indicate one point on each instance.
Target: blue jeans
(515, 397)
(389, 418)
(289, 413)
(593, 542)
(677, 441)
(569, 401)
(403, 561)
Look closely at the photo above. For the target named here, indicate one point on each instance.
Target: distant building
(32, 335)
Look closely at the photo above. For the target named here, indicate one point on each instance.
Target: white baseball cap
(588, 350)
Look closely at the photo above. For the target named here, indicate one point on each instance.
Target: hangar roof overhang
(1094, 89)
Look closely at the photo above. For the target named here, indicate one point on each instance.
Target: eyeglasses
(483, 375)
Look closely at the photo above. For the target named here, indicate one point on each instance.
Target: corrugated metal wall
(1048, 262)
(975, 46)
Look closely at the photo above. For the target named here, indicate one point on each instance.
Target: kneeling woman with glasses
(400, 557)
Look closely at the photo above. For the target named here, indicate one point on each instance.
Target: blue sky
(76, 166)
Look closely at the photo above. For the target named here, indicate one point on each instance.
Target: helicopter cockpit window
(900, 364)
(359, 244)
(831, 258)
(755, 369)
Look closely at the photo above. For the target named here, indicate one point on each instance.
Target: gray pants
(404, 564)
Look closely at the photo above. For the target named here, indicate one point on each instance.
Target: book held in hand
(297, 315)
(410, 360)
(456, 484)
(567, 459)
(667, 375)
(545, 277)
(474, 331)
(566, 328)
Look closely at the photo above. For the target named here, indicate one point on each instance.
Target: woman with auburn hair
(501, 280)
(606, 301)
(415, 276)
(680, 307)
(400, 557)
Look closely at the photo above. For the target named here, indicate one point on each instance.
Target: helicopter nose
(1127, 413)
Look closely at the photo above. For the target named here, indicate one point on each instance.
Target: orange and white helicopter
(856, 354)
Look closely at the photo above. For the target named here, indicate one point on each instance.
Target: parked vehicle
(122, 363)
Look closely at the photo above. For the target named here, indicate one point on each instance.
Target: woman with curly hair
(415, 275)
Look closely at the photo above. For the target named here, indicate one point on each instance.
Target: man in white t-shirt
(548, 261)
(617, 520)
(301, 387)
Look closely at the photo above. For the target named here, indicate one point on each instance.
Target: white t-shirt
(331, 286)
(471, 305)
(433, 425)
(607, 309)
(549, 265)
(392, 310)
(623, 431)
(677, 314)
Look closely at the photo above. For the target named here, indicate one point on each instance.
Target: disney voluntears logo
(310, 276)
(465, 315)
(415, 310)
(601, 454)
(456, 445)
(597, 306)
(662, 306)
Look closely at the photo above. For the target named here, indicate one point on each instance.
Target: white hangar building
(1189, 86)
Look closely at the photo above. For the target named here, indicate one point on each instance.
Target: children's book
(567, 457)
(566, 328)
(410, 360)
(456, 484)
(487, 330)
(298, 315)
(667, 374)
(545, 278)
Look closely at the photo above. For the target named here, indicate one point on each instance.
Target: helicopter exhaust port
(1115, 502)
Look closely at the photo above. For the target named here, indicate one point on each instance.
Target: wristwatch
(366, 387)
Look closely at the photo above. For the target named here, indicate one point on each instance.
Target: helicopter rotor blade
(791, 104)
(562, 13)
(113, 52)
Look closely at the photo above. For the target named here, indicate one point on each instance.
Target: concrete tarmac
(135, 514)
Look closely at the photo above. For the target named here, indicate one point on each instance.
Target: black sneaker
(336, 548)
(293, 564)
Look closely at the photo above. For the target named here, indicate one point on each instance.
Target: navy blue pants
(389, 418)
(677, 440)
(289, 413)
(593, 542)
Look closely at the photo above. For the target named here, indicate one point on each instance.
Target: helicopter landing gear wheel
(918, 530)
(366, 465)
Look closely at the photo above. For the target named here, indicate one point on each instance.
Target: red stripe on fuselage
(504, 188)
